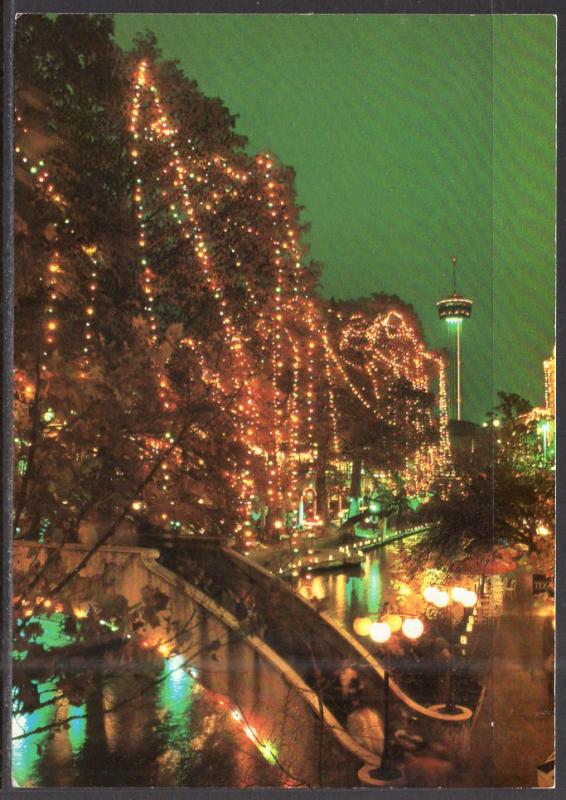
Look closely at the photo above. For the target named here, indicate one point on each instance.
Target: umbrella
(489, 565)
(507, 553)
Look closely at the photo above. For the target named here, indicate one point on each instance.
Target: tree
(497, 508)
(503, 499)
(126, 327)
(174, 365)
(511, 406)
(387, 417)
(95, 413)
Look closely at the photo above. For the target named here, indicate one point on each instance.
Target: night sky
(414, 138)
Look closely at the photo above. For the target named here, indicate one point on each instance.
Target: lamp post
(443, 599)
(380, 632)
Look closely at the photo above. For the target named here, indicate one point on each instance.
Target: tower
(454, 310)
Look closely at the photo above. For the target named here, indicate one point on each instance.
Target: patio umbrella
(487, 565)
(507, 553)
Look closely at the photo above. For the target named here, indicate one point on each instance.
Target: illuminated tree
(174, 366)
(389, 417)
(163, 293)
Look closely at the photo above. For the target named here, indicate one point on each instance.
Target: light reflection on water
(354, 592)
(26, 753)
(175, 701)
(77, 727)
(176, 734)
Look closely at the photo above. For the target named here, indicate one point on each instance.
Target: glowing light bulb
(394, 621)
(413, 628)
(458, 593)
(441, 599)
(430, 593)
(469, 599)
(362, 626)
(380, 632)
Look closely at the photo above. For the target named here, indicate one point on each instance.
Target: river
(176, 734)
(368, 589)
(355, 592)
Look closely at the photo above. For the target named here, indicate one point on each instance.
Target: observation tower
(454, 310)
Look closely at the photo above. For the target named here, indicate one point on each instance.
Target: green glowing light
(43, 528)
(52, 634)
(77, 728)
(354, 507)
(354, 591)
(374, 589)
(26, 753)
(268, 751)
(175, 698)
(49, 415)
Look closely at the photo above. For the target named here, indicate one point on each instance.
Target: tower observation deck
(454, 310)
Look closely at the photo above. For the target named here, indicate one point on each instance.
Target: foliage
(386, 435)
(502, 499)
(152, 389)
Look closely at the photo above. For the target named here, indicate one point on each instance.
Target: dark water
(176, 734)
(360, 591)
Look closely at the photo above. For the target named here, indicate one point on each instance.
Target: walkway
(514, 730)
(277, 554)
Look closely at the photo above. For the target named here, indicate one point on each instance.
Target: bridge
(311, 643)
(278, 673)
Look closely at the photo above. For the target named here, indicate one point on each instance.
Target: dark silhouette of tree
(502, 499)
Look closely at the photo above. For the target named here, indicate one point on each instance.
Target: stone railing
(240, 665)
(454, 729)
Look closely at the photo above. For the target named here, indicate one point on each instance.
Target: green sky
(414, 138)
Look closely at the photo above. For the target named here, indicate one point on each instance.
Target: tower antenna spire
(454, 273)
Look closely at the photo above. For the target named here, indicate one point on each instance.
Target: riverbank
(336, 549)
(352, 592)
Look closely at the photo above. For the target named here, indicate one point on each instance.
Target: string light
(289, 296)
(288, 329)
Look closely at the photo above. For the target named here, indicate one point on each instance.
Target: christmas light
(281, 359)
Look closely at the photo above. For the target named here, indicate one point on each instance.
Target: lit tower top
(454, 310)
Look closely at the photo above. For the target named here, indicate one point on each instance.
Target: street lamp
(380, 632)
(443, 599)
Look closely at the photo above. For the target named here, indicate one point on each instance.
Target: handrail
(270, 655)
(149, 558)
(394, 687)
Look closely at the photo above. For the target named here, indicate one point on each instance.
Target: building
(549, 366)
